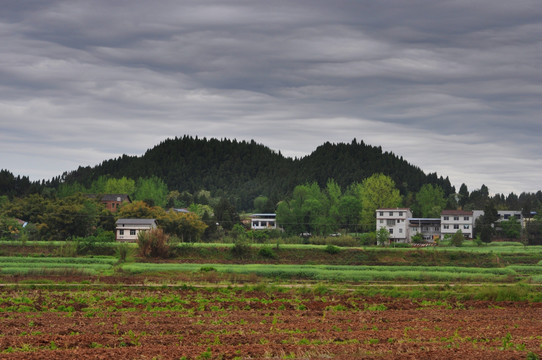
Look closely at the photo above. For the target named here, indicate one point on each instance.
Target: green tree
(260, 204)
(187, 226)
(457, 239)
(430, 201)
(382, 236)
(140, 210)
(120, 186)
(226, 214)
(485, 225)
(151, 190)
(378, 191)
(73, 216)
(511, 228)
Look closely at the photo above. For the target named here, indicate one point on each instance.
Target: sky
(453, 86)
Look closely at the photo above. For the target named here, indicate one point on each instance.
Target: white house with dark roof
(395, 221)
(128, 229)
(453, 220)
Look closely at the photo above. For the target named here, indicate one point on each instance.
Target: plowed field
(168, 323)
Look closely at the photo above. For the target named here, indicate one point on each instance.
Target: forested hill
(243, 170)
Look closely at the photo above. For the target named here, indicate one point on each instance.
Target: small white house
(395, 221)
(128, 229)
(263, 221)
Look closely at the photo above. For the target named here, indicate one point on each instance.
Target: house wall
(451, 222)
(263, 221)
(129, 233)
(395, 221)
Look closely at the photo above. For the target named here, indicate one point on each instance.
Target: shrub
(457, 239)
(123, 252)
(368, 239)
(153, 243)
(240, 249)
(332, 249)
(266, 252)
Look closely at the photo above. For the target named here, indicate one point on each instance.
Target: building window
(456, 226)
(446, 218)
(132, 232)
(400, 213)
(390, 222)
(391, 231)
(400, 231)
(121, 232)
(391, 213)
(466, 218)
(456, 218)
(382, 213)
(466, 226)
(381, 221)
(446, 227)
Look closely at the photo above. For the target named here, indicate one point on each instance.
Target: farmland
(83, 307)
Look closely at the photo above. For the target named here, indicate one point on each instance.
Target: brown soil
(165, 323)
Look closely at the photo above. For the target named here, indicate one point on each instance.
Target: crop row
(348, 273)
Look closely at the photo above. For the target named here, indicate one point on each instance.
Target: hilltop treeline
(241, 171)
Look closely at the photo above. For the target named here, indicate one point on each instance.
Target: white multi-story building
(453, 220)
(263, 221)
(428, 227)
(395, 221)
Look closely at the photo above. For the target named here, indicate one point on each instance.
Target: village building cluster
(402, 226)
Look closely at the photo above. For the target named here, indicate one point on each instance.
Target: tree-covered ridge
(241, 170)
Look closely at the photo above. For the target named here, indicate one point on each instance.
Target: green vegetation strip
(55, 265)
(340, 273)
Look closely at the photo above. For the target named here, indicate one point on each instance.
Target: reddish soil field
(167, 323)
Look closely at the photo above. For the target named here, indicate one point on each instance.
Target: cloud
(453, 87)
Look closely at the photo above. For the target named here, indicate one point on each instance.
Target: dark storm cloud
(82, 81)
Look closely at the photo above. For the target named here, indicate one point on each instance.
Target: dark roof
(136, 221)
(456, 212)
(115, 197)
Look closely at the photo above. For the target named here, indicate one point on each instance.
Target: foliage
(152, 190)
(225, 214)
(187, 226)
(368, 239)
(123, 252)
(430, 201)
(140, 210)
(382, 236)
(418, 238)
(511, 228)
(153, 243)
(267, 252)
(332, 249)
(10, 228)
(378, 191)
(457, 239)
(241, 249)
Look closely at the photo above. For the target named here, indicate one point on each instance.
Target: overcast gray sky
(452, 86)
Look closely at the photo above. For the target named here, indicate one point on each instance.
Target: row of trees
(328, 210)
(79, 215)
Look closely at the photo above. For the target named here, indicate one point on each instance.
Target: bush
(123, 252)
(332, 249)
(240, 249)
(368, 239)
(457, 239)
(153, 243)
(266, 252)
